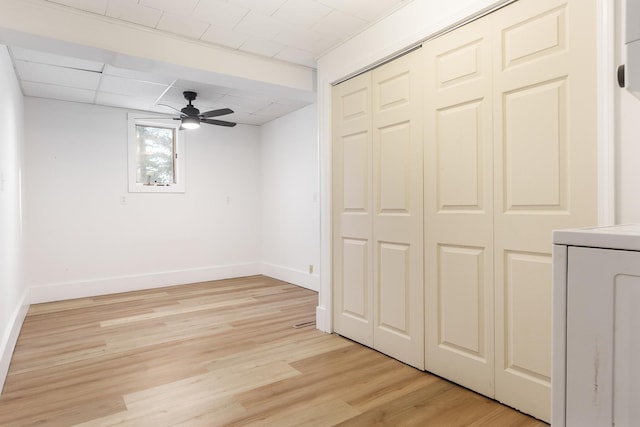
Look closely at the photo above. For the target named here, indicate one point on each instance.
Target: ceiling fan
(191, 117)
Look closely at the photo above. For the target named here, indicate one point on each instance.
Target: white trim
(112, 285)
(297, 277)
(606, 112)
(324, 310)
(147, 119)
(10, 337)
(323, 319)
(559, 353)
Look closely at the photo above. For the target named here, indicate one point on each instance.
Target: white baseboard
(112, 285)
(290, 275)
(9, 338)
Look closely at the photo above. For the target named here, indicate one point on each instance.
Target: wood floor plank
(222, 353)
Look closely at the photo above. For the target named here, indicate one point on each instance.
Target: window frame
(138, 119)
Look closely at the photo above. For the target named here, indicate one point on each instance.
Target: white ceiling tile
(313, 26)
(301, 13)
(301, 39)
(220, 13)
(377, 11)
(338, 25)
(161, 109)
(264, 7)
(182, 25)
(365, 9)
(294, 103)
(304, 40)
(123, 101)
(262, 46)
(29, 55)
(129, 87)
(248, 119)
(54, 75)
(245, 104)
(131, 11)
(182, 7)
(297, 56)
(277, 110)
(259, 26)
(208, 97)
(93, 6)
(224, 37)
(43, 90)
(323, 44)
(204, 90)
(110, 70)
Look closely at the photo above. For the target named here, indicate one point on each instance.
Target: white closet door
(545, 177)
(459, 207)
(352, 203)
(397, 209)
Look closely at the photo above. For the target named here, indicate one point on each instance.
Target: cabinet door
(545, 177)
(603, 342)
(397, 209)
(352, 202)
(459, 207)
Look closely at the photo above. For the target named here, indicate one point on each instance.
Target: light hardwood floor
(218, 353)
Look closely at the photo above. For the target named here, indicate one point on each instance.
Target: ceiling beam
(42, 25)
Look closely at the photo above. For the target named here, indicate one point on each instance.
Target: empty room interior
(314, 212)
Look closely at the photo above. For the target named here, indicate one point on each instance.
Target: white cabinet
(596, 355)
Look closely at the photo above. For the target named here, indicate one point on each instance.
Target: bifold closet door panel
(459, 207)
(352, 206)
(398, 209)
(545, 176)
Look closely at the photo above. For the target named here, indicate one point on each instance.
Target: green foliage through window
(155, 152)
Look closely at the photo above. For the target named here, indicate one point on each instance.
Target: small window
(155, 158)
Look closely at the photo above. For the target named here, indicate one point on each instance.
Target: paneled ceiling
(293, 31)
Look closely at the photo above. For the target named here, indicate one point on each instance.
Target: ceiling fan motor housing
(190, 111)
(189, 95)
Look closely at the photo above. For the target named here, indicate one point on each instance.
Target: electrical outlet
(310, 268)
(123, 200)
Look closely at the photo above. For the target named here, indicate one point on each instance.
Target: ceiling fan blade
(216, 113)
(174, 109)
(158, 118)
(218, 122)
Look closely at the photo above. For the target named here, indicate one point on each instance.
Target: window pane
(155, 153)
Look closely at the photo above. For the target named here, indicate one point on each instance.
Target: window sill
(156, 188)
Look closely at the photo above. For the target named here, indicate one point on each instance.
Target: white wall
(291, 211)
(627, 139)
(13, 293)
(82, 240)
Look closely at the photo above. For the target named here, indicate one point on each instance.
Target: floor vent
(304, 324)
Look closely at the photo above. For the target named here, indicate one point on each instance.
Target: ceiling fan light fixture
(191, 122)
